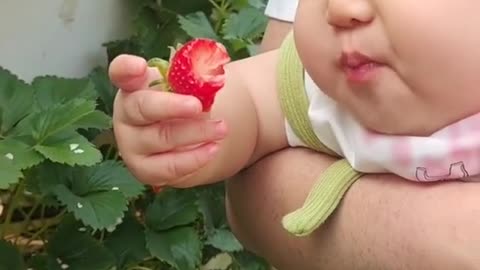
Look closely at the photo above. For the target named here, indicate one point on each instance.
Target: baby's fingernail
(138, 67)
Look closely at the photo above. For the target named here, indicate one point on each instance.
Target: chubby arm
(249, 104)
(275, 33)
(154, 130)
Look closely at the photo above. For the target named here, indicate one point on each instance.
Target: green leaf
(16, 100)
(8, 174)
(51, 90)
(99, 210)
(70, 247)
(104, 87)
(54, 119)
(179, 247)
(253, 49)
(117, 47)
(70, 148)
(112, 175)
(97, 195)
(156, 32)
(41, 262)
(248, 23)
(96, 119)
(10, 257)
(18, 154)
(224, 240)
(128, 242)
(44, 178)
(197, 25)
(211, 203)
(94, 195)
(135, 6)
(85, 181)
(183, 7)
(258, 4)
(237, 44)
(238, 4)
(247, 261)
(106, 176)
(171, 208)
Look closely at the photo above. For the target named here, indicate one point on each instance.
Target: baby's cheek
(459, 104)
(474, 94)
(315, 43)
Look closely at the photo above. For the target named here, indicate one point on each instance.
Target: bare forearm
(274, 34)
(384, 222)
(233, 105)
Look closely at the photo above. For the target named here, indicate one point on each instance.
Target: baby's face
(399, 66)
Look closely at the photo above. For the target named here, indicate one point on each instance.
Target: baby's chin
(403, 127)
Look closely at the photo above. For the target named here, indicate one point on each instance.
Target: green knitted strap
(293, 99)
(329, 189)
(322, 200)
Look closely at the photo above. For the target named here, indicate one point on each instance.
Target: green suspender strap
(335, 181)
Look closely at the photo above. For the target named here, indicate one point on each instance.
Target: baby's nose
(349, 13)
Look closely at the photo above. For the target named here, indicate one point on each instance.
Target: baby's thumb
(129, 72)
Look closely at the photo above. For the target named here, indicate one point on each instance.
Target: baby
(386, 86)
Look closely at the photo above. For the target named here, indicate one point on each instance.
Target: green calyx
(163, 66)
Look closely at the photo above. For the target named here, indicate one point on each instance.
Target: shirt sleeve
(282, 9)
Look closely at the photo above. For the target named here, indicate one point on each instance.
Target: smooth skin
(383, 223)
(275, 32)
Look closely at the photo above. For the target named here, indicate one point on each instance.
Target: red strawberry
(195, 68)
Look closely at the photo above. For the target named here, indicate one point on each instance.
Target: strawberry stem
(156, 82)
(160, 64)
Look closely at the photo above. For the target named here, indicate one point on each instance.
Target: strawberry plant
(156, 25)
(66, 199)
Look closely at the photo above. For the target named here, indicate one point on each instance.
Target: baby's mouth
(358, 68)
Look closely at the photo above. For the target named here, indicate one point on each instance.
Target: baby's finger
(160, 170)
(146, 107)
(178, 133)
(130, 73)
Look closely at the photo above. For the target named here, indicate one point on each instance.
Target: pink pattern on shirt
(462, 140)
(402, 152)
(459, 143)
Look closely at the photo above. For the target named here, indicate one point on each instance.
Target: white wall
(60, 37)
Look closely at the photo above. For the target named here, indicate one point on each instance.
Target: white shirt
(450, 153)
(283, 10)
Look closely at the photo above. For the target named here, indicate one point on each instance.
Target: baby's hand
(163, 137)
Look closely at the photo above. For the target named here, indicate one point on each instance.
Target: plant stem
(109, 152)
(223, 11)
(215, 5)
(102, 235)
(57, 219)
(12, 204)
(139, 268)
(30, 214)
